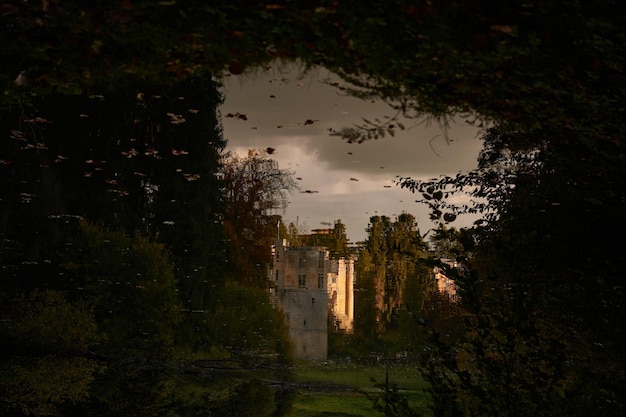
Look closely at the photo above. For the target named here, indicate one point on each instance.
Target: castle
(306, 285)
(445, 285)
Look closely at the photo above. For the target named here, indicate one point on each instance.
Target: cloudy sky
(277, 102)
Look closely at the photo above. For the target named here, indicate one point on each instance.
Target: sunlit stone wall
(341, 293)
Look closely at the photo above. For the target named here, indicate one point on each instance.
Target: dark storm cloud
(278, 105)
(294, 116)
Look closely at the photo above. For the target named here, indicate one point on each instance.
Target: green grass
(354, 403)
(316, 404)
(405, 375)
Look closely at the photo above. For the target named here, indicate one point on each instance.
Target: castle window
(320, 264)
(320, 280)
(301, 280)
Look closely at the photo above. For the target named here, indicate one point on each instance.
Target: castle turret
(341, 292)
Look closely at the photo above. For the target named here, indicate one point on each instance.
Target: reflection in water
(326, 163)
(131, 285)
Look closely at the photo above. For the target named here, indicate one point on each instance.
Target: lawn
(315, 402)
(322, 404)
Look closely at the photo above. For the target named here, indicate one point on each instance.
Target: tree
(45, 343)
(292, 234)
(392, 280)
(106, 337)
(144, 159)
(526, 318)
(129, 284)
(432, 57)
(255, 189)
(246, 322)
(335, 239)
(365, 312)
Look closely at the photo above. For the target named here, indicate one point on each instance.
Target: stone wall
(341, 293)
(300, 275)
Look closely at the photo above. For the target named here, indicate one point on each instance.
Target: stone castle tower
(306, 284)
(299, 290)
(341, 293)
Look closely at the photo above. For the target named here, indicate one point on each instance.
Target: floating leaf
(236, 68)
(449, 217)
(237, 116)
(435, 215)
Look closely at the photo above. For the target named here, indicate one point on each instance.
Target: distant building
(446, 285)
(306, 285)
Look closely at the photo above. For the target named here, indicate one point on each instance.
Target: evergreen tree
(335, 240)
(392, 278)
